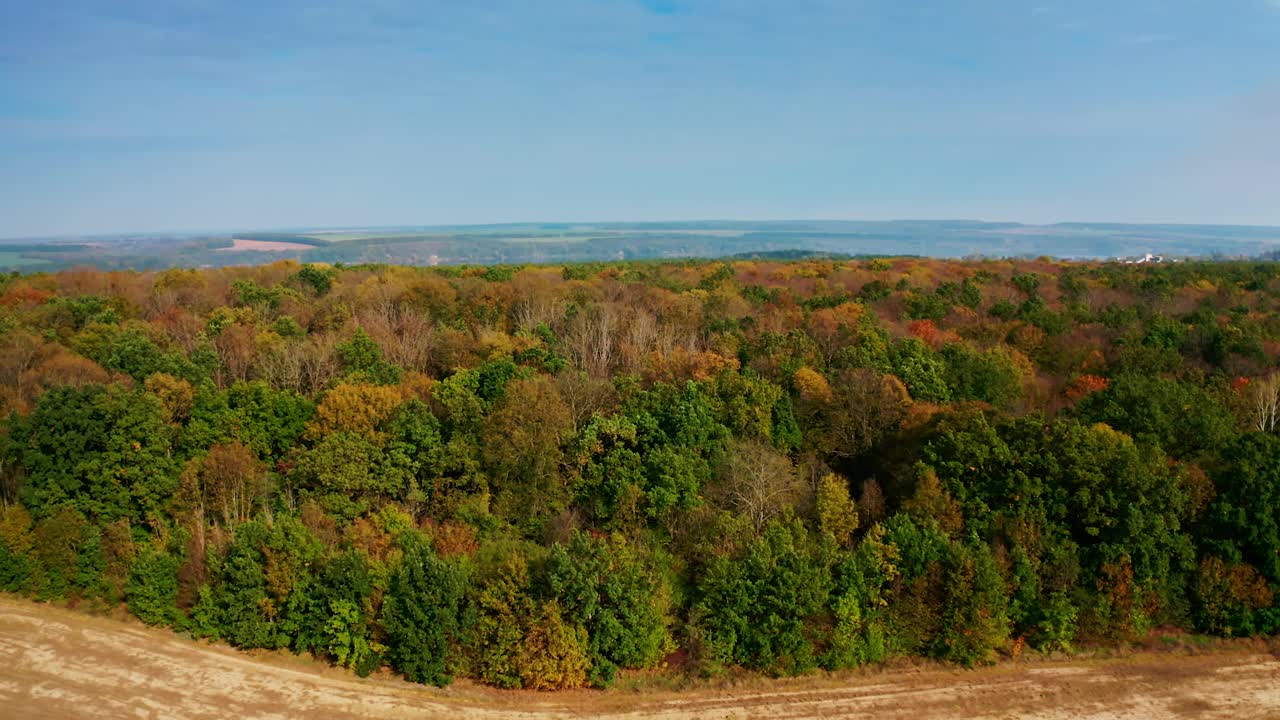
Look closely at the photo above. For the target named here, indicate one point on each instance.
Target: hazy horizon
(430, 227)
(142, 116)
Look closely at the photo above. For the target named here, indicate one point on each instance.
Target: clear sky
(133, 115)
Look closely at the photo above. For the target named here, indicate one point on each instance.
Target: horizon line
(440, 226)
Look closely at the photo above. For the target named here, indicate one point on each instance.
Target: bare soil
(56, 663)
(240, 244)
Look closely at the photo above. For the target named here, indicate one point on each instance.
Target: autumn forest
(549, 477)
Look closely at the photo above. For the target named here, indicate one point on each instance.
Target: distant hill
(562, 242)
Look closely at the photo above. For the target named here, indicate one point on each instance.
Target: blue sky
(124, 115)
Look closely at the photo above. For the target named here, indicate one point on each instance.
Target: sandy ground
(56, 663)
(264, 246)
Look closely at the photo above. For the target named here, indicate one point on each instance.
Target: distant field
(385, 238)
(239, 244)
(551, 239)
(10, 259)
(337, 237)
(692, 231)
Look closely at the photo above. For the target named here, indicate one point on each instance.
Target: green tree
(861, 583)
(975, 621)
(1076, 499)
(268, 421)
(504, 608)
(757, 610)
(131, 350)
(337, 615)
(990, 376)
(917, 595)
(606, 587)
(650, 460)
(58, 539)
(102, 450)
(362, 357)
(745, 403)
(152, 591)
(1244, 518)
(1183, 419)
(522, 448)
(348, 475)
(318, 279)
(241, 602)
(921, 371)
(421, 615)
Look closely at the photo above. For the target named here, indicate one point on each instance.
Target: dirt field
(55, 663)
(239, 244)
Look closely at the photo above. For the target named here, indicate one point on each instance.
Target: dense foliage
(540, 477)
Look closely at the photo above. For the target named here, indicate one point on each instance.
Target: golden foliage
(15, 530)
(680, 365)
(812, 385)
(554, 653)
(931, 500)
(843, 317)
(837, 512)
(451, 538)
(354, 407)
(175, 394)
(416, 386)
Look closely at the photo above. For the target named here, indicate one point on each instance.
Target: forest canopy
(541, 477)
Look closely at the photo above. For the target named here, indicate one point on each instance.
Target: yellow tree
(837, 513)
(354, 407)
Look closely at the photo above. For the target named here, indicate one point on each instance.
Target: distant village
(1146, 259)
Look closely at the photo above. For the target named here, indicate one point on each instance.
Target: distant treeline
(798, 254)
(44, 248)
(596, 242)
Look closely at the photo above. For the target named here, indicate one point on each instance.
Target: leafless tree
(591, 338)
(585, 395)
(871, 502)
(19, 354)
(1266, 403)
(760, 482)
(281, 367)
(233, 482)
(405, 336)
(236, 347)
(540, 299)
(318, 361)
(642, 334)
